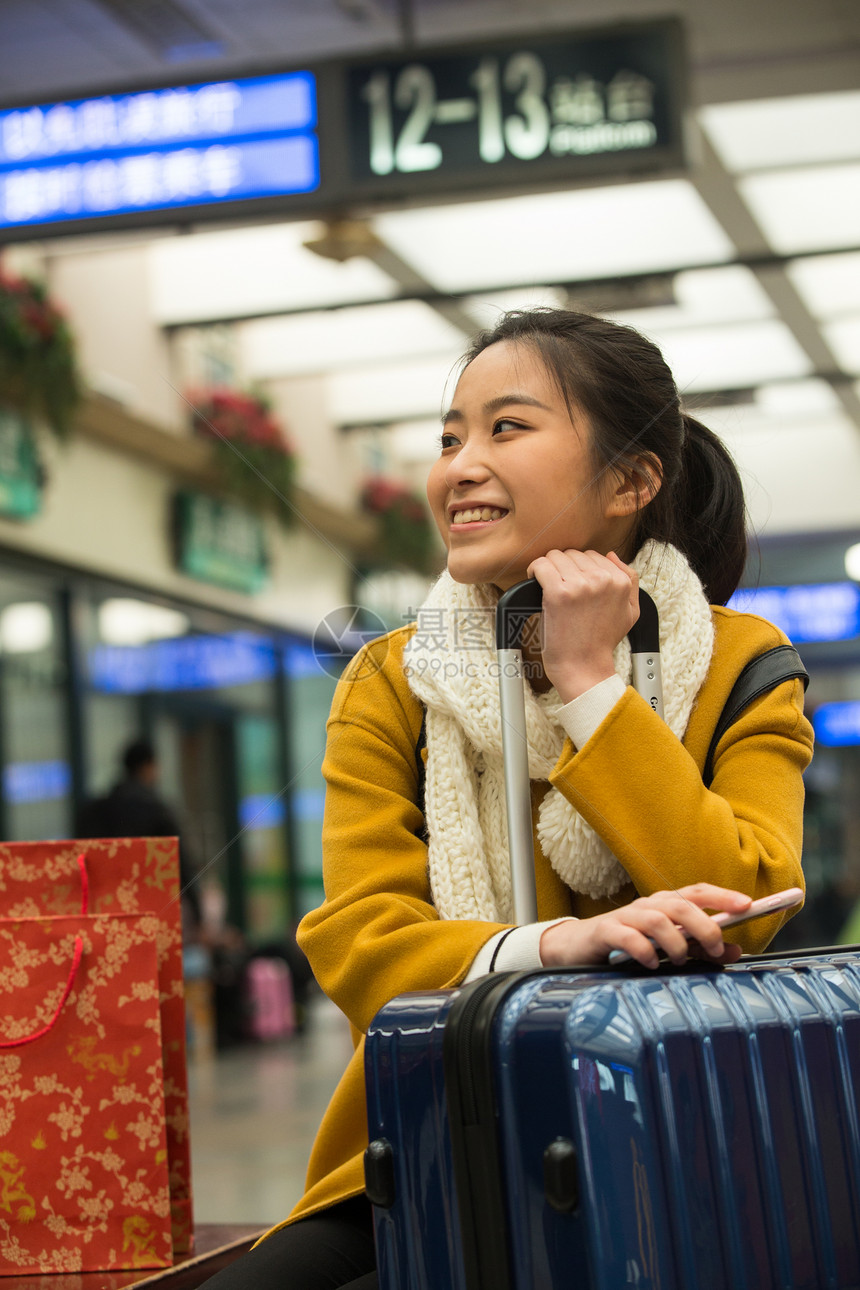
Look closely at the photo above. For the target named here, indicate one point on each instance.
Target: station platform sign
(514, 115)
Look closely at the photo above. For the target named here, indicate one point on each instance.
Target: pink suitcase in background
(272, 1013)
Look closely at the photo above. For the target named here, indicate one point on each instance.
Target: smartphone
(766, 905)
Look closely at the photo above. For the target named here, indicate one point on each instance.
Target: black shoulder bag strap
(782, 663)
(422, 771)
(768, 670)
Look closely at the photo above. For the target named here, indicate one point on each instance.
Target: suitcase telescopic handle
(516, 606)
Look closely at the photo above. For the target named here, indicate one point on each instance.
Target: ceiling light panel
(488, 309)
(785, 132)
(125, 621)
(416, 442)
(731, 357)
(807, 209)
(705, 296)
(797, 399)
(773, 406)
(26, 627)
(254, 270)
(843, 337)
(558, 237)
(391, 393)
(319, 342)
(828, 284)
(801, 477)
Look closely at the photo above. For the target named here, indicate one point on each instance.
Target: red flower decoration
(229, 414)
(407, 536)
(38, 370)
(253, 454)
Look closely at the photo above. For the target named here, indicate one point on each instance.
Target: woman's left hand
(590, 602)
(671, 921)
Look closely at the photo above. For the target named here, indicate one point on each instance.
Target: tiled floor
(254, 1114)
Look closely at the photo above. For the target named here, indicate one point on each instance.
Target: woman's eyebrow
(496, 404)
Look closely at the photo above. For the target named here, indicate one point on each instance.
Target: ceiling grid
(715, 184)
(744, 265)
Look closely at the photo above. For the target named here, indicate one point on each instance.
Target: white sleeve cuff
(580, 718)
(518, 950)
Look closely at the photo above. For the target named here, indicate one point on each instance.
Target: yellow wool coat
(378, 933)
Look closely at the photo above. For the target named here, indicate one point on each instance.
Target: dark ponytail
(710, 512)
(622, 382)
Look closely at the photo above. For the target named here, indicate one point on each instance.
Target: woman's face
(515, 476)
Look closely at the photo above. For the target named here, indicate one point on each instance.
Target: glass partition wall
(35, 742)
(87, 667)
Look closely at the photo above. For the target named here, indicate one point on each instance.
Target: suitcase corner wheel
(561, 1175)
(379, 1173)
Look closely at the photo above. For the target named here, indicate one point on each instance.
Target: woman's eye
(447, 440)
(504, 424)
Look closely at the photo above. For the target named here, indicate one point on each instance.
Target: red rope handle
(76, 963)
(85, 883)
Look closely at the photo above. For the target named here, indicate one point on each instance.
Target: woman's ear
(636, 484)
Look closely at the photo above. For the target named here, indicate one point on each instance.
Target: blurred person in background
(134, 808)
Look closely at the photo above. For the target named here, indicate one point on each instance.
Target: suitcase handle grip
(515, 608)
(519, 603)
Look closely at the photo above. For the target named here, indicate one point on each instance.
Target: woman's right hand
(671, 919)
(590, 602)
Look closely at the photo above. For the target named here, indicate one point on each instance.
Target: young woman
(565, 457)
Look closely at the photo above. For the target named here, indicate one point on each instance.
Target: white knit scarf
(450, 663)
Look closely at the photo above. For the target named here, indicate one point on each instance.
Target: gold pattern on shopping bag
(96, 1194)
(82, 1051)
(14, 1197)
(135, 876)
(138, 1238)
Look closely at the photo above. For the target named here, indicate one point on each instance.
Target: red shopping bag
(124, 876)
(84, 1182)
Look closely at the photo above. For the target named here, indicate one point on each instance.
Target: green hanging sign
(219, 542)
(20, 468)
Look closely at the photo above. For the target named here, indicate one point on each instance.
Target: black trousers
(328, 1251)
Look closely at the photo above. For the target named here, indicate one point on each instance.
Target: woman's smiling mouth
(478, 514)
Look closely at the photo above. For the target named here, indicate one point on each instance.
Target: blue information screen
(837, 725)
(185, 146)
(184, 663)
(826, 611)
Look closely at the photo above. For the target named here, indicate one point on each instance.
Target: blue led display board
(826, 611)
(525, 113)
(837, 725)
(125, 154)
(262, 811)
(184, 663)
(36, 781)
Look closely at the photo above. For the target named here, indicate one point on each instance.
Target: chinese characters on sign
(504, 115)
(20, 471)
(127, 121)
(159, 149)
(219, 542)
(580, 97)
(578, 115)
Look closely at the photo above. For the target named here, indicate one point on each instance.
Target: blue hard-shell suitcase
(680, 1130)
